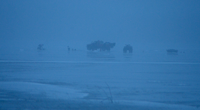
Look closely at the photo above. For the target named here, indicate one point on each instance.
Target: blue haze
(144, 24)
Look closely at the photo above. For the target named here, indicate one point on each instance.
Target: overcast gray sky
(145, 24)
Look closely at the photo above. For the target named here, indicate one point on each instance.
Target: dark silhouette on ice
(172, 51)
(128, 48)
(100, 45)
(40, 47)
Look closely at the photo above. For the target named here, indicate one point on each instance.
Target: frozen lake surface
(90, 81)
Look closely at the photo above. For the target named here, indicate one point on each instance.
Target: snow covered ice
(88, 83)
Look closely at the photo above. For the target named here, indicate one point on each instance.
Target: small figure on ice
(40, 47)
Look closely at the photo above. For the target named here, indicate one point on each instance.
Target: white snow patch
(157, 105)
(51, 91)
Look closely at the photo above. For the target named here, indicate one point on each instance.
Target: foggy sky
(145, 24)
